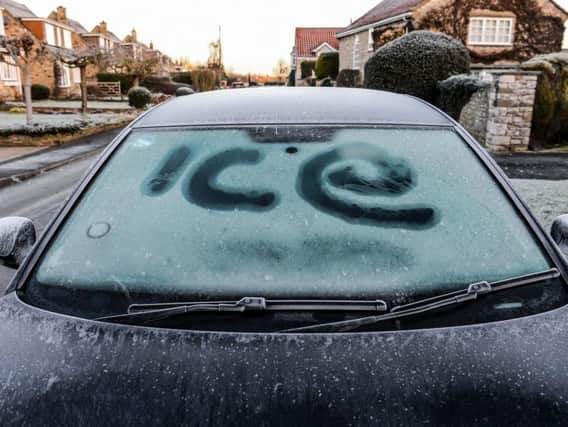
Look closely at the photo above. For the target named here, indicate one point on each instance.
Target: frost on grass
(49, 124)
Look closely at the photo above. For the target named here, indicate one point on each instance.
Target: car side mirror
(17, 237)
(559, 233)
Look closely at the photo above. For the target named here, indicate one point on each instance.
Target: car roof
(293, 105)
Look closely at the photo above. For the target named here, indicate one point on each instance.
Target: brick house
(132, 47)
(11, 14)
(496, 32)
(58, 32)
(101, 38)
(309, 43)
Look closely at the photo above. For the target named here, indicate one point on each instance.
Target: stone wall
(511, 102)
(474, 115)
(500, 117)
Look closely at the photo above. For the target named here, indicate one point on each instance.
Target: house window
(491, 31)
(76, 75)
(50, 34)
(9, 73)
(67, 41)
(101, 43)
(64, 76)
(371, 46)
(356, 53)
(2, 32)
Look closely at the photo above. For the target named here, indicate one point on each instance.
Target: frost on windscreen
(291, 213)
(389, 177)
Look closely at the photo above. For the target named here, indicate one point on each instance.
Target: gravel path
(547, 199)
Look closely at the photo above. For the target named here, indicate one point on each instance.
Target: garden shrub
(139, 97)
(414, 64)
(157, 84)
(306, 68)
(183, 91)
(41, 129)
(327, 82)
(126, 80)
(550, 114)
(183, 77)
(292, 78)
(94, 91)
(348, 78)
(40, 92)
(456, 92)
(204, 80)
(327, 65)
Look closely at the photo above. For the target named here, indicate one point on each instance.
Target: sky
(255, 33)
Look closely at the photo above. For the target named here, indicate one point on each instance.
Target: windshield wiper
(471, 293)
(149, 313)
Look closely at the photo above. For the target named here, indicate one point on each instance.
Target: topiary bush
(306, 68)
(291, 78)
(183, 77)
(139, 97)
(158, 84)
(40, 92)
(184, 91)
(348, 78)
(550, 115)
(126, 80)
(204, 80)
(456, 92)
(414, 64)
(327, 65)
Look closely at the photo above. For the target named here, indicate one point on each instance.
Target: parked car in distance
(287, 256)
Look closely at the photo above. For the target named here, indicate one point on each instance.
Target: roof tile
(384, 10)
(308, 39)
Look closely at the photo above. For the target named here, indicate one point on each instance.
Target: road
(39, 198)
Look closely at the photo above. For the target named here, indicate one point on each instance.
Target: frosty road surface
(39, 198)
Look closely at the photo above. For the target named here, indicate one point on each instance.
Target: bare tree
(281, 69)
(80, 59)
(25, 51)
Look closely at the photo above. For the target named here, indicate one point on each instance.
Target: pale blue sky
(256, 33)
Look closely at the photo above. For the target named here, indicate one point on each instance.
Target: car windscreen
(288, 212)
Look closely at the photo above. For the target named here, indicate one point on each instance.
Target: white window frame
(357, 52)
(2, 31)
(9, 74)
(485, 36)
(67, 39)
(76, 75)
(50, 34)
(65, 77)
(371, 45)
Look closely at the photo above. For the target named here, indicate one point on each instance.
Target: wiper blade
(147, 313)
(471, 293)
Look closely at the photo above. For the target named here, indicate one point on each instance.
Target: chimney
(134, 36)
(103, 27)
(151, 45)
(61, 14)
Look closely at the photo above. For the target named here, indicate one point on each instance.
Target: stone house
(496, 32)
(11, 14)
(309, 43)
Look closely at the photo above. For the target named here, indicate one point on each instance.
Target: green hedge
(126, 80)
(327, 65)
(306, 68)
(165, 85)
(204, 80)
(550, 115)
(456, 92)
(348, 78)
(415, 63)
(292, 78)
(139, 97)
(183, 77)
(40, 92)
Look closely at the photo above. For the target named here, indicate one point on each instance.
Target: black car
(287, 257)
